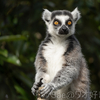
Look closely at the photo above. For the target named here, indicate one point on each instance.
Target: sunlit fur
(59, 61)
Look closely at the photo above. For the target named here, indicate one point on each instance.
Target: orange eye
(69, 22)
(56, 22)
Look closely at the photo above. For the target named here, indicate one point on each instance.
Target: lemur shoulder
(60, 63)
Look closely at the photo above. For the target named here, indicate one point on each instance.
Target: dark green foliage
(21, 31)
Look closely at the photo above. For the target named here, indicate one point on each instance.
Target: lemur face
(61, 22)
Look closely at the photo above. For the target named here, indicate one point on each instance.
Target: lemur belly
(53, 54)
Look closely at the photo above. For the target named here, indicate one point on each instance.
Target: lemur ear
(46, 15)
(76, 14)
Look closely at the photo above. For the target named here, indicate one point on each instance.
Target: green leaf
(25, 79)
(10, 59)
(12, 38)
(99, 27)
(1, 62)
(4, 52)
(21, 91)
(13, 59)
(15, 20)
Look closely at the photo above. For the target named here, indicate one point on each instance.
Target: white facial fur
(47, 18)
(62, 18)
(51, 28)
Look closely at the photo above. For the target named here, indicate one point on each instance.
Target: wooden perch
(39, 98)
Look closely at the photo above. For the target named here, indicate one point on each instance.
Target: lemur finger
(33, 91)
(40, 82)
(46, 93)
(44, 88)
(35, 87)
(42, 92)
(43, 85)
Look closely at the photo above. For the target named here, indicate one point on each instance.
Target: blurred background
(22, 30)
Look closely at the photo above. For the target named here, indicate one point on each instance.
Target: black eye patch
(56, 22)
(69, 22)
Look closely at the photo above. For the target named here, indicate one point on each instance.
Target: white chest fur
(53, 54)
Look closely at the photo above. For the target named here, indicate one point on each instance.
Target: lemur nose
(64, 28)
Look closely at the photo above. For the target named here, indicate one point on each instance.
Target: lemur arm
(69, 72)
(41, 76)
(66, 75)
(40, 65)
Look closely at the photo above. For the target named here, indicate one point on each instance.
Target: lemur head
(61, 22)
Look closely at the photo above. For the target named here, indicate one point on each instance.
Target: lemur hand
(47, 90)
(36, 86)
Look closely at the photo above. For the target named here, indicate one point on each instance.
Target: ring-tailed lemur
(60, 63)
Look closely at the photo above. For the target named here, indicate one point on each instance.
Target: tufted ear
(46, 15)
(76, 14)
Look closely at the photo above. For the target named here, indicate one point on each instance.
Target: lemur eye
(56, 22)
(69, 23)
